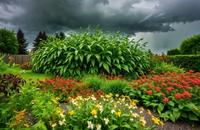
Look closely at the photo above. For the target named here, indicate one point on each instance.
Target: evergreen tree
(22, 42)
(60, 35)
(40, 37)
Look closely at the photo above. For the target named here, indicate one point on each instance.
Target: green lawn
(25, 74)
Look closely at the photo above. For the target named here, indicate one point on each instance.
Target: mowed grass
(25, 74)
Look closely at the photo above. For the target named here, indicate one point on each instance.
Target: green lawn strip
(26, 74)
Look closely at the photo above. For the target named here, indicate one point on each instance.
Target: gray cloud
(125, 15)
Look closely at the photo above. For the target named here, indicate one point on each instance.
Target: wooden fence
(17, 59)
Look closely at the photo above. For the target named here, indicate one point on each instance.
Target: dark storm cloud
(124, 15)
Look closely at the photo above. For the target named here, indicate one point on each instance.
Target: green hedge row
(189, 62)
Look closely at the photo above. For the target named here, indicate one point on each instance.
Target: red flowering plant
(174, 96)
(64, 88)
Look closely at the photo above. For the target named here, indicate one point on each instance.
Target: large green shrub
(189, 62)
(191, 45)
(8, 42)
(91, 53)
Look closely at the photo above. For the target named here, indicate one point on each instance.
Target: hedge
(189, 62)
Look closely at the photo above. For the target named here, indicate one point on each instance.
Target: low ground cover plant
(91, 53)
(174, 96)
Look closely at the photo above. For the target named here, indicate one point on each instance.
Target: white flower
(131, 119)
(62, 115)
(90, 125)
(93, 98)
(135, 115)
(62, 122)
(98, 127)
(106, 120)
(112, 111)
(53, 125)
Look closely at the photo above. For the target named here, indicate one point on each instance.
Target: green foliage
(189, 62)
(173, 52)
(8, 42)
(93, 82)
(30, 106)
(91, 53)
(191, 45)
(114, 86)
(163, 67)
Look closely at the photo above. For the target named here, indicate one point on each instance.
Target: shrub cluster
(173, 52)
(189, 62)
(162, 67)
(91, 53)
(189, 46)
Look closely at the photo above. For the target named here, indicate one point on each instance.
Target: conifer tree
(22, 42)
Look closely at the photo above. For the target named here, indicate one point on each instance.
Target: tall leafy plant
(93, 53)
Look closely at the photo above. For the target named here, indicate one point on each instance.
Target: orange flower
(178, 96)
(186, 94)
(157, 89)
(169, 89)
(149, 92)
(165, 100)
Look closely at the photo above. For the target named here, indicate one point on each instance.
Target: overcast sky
(162, 23)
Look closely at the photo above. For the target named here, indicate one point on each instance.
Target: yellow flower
(94, 112)
(133, 103)
(142, 120)
(157, 121)
(71, 113)
(118, 114)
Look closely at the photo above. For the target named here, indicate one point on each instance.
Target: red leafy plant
(63, 88)
(174, 96)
